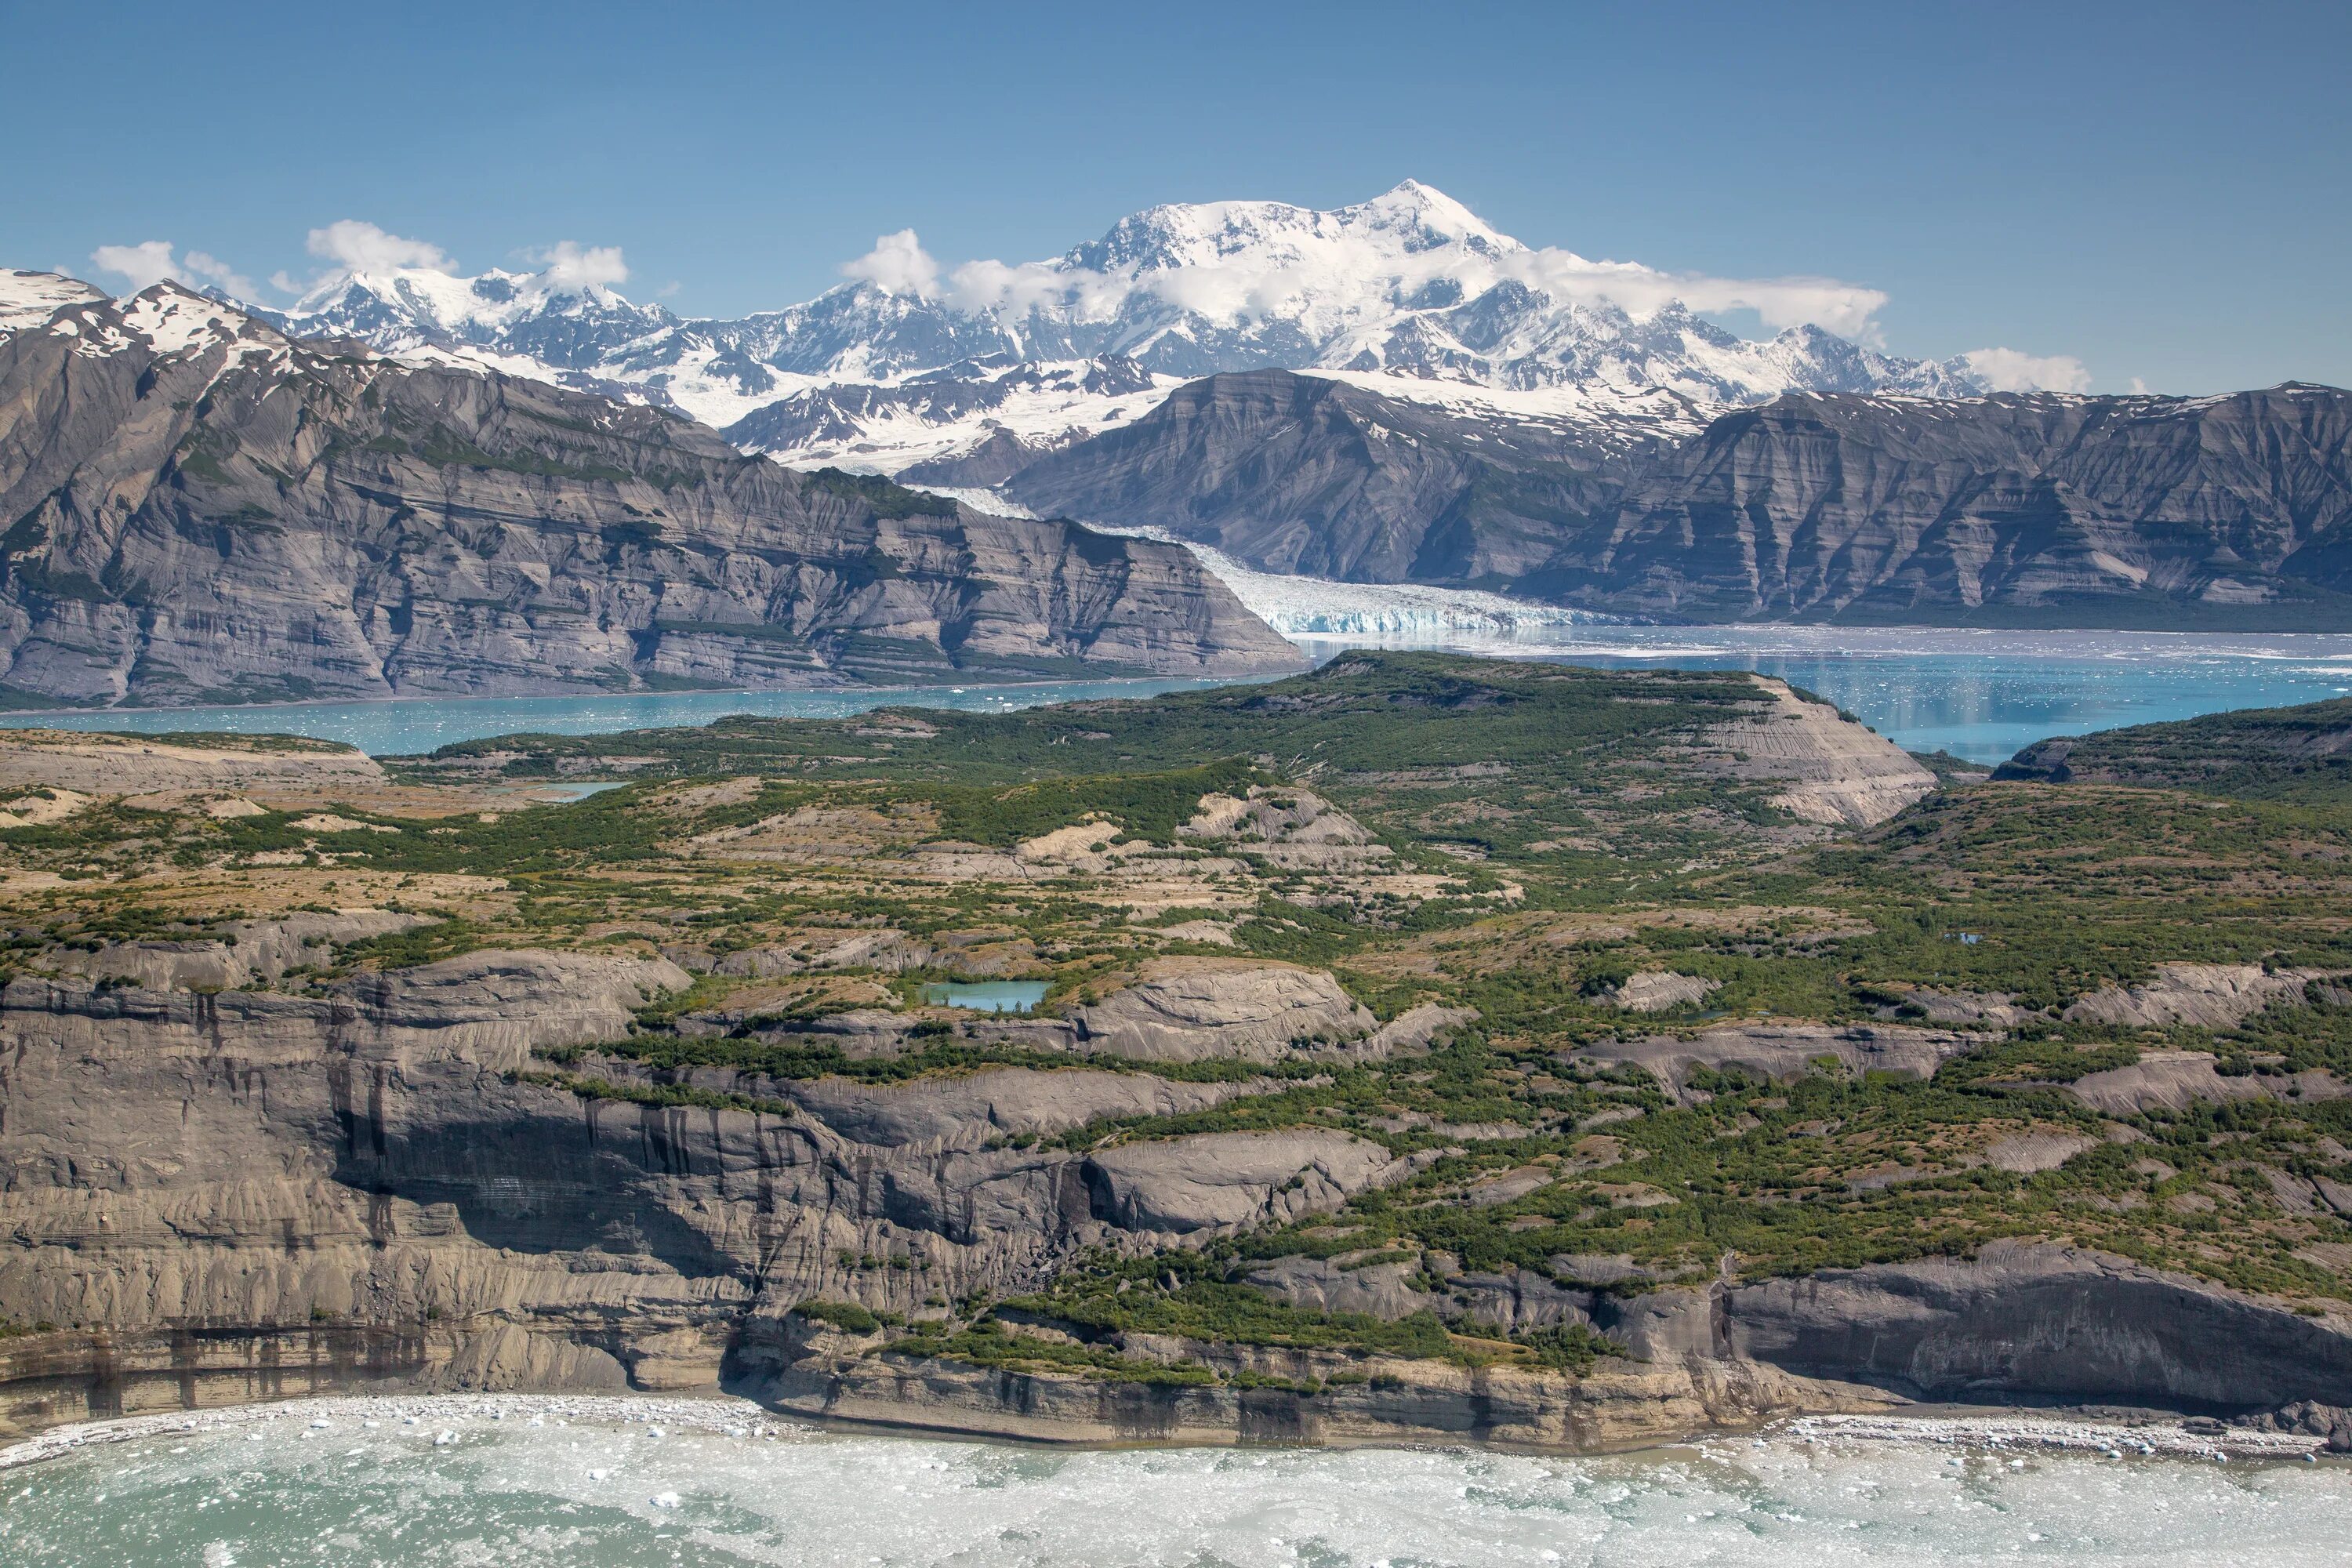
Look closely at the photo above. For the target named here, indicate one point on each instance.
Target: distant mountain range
(200, 508)
(1394, 392)
(1408, 292)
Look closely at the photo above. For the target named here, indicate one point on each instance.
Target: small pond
(987, 996)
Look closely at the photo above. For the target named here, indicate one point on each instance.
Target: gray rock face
(1186, 1010)
(375, 1175)
(248, 1195)
(2212, 995)
(2041, 1320)
(1772, 1051)
(264, 950)
(205, 510)
(2176, 1080)
(1230, 1179)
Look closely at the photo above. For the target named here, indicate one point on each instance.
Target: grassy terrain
(1538, 835)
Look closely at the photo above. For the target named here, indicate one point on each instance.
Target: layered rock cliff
(2034, 509)
(2030, 509)
(200, 508)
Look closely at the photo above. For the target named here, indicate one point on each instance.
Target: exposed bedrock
(2031, 1321)
(213, 1198)
(210, 1197)
(1623, 1405)
(1193, 1009)
(1786, 1050)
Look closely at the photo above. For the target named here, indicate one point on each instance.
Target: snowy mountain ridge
(1408, 287)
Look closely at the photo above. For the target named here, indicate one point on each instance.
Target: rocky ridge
(2005, 510)
(205, 509)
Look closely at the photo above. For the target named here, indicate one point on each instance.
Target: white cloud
(2011, 370)
(143, 264)
(572, 268)
(151, 262)
(1845, 309)
(2140, 388)
(898, 265)
(1234, 290)
(220, 272)
(357, 247)
(981, 285)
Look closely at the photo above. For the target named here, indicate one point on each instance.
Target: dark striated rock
(2035, 508)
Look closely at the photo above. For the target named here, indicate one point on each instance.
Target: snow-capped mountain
(908, 363)
(165, 321)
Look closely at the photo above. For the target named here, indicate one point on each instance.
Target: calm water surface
(1981, 695)
(987, 996)
(277, 1491)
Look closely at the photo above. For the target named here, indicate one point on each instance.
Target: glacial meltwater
(987, 996)
(587, 1483)
(1979, 695)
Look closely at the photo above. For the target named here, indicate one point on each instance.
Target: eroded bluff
(212, 1195)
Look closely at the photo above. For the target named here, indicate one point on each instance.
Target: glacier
(1312, 610)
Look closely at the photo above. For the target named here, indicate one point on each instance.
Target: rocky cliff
(213, 1197)
(2029, 509)
(2036, 510)
(1304, 473)
(199, 509)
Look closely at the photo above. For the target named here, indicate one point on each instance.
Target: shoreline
(1324, 645)
(1988, 1430)
(299, 704)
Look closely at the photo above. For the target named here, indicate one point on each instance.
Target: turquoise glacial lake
(987, 996)
(1979, 695)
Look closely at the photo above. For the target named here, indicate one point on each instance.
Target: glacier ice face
(1308, 610)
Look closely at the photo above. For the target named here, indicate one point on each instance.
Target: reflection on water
(1979, 695)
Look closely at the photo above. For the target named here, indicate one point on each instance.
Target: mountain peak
(1433, 209)
(28, 298)
(1409, 286)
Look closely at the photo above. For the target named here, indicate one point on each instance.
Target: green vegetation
(886, 500)
(1537, 836)
(990, 1343)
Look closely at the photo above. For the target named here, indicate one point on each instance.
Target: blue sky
(2163, 191)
